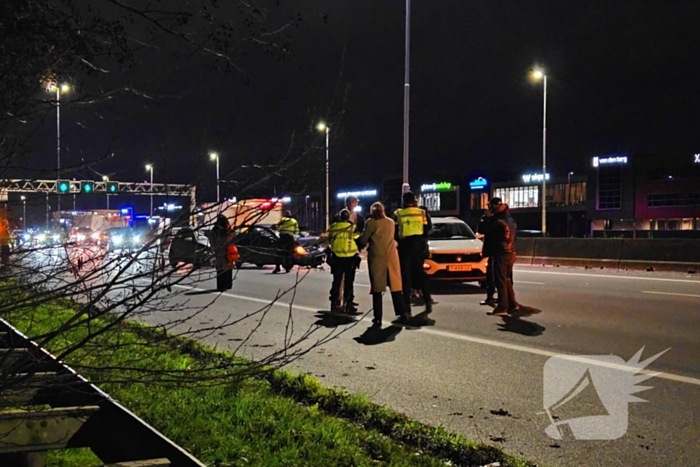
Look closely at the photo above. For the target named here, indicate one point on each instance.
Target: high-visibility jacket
(288, 225)
(342, 237)
(410, 221)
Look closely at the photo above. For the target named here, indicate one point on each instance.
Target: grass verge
(277, 419)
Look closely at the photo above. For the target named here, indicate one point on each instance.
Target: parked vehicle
(455, 252)
(121, 238)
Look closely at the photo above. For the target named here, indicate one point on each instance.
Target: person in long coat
(384, 266)
(220, 240)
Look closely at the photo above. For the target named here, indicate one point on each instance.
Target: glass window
(609, 188)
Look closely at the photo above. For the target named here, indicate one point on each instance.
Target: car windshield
(450, 231)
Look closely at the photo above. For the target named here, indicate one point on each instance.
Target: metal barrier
(80, 414)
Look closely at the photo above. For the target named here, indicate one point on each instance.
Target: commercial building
(645, 196)
(566, 202)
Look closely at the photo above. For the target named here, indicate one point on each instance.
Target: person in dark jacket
(485, 225)
(220, 234)
(503, 230)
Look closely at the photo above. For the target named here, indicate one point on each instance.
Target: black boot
(377, 306)
(400, 309)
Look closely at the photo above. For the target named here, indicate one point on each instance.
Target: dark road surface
(482, 376)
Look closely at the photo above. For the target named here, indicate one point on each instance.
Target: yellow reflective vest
(289, 225)
(411, 221)
(342, 237)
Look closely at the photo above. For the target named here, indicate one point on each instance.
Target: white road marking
(477, 340)
(531, 283)
(608, 276)
(671, 293)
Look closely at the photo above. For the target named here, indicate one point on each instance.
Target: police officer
(342, 238)
(412, 227)
(287, 227)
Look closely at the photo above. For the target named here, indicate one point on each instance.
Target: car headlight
(117, 239)
(299, 250)
(27, 237)
(55, 237)
(135, 239)
(41, 237)
(81, 237)
(95, 236)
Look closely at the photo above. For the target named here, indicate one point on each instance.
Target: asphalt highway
(483, 376)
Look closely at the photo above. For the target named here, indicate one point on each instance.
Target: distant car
(455, 252)
(259, 245)
(190, 247)
(49, 237)
(84, 235)
(121, 238)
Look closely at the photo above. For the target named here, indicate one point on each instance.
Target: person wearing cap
(502, 250)
(288, 227)
(342, 239)
(412, 227)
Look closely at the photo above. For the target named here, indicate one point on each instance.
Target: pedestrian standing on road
(342, 239)
(220, 238)
(503, 231)
(485, 225)
(412, 227)
(358, 221)
(384, 266)
(288, 227)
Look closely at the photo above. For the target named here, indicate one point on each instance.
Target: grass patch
(277, 419)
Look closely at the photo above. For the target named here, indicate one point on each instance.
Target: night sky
(623, 76)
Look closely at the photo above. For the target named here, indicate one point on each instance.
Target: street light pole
(539, 74)
(149, 167)
(568, 203)
(215, 156)
(24, 213)
(406, 97)
(327, 129)
(58, 88)
(105, 179)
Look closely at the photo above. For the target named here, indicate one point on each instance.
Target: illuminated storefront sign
(478, 184)
(534, 178)
(697, 158)
(610, 160)
(357, 194)
(442, 186)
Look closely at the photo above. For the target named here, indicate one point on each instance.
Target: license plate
(460, 267)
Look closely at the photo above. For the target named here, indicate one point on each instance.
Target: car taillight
(426, 266)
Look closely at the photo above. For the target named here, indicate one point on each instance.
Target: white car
(455, 252)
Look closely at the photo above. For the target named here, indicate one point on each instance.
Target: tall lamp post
(149, 168)
(406, 97)
(215, 157)
(24, 213)
(58, 89)
(323, 127)
(106, 179)
(539, 74)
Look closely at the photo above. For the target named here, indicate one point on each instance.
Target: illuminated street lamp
(24, 213)
(215, 157)
(323, 127)
(59, 89)
(540, 75)
(149, 168)
(106, 179)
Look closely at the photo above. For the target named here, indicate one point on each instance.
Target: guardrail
(678, 255)
(80, 414)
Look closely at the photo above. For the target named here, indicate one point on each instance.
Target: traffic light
(87, 186)
(62, 186)
(112, 187)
